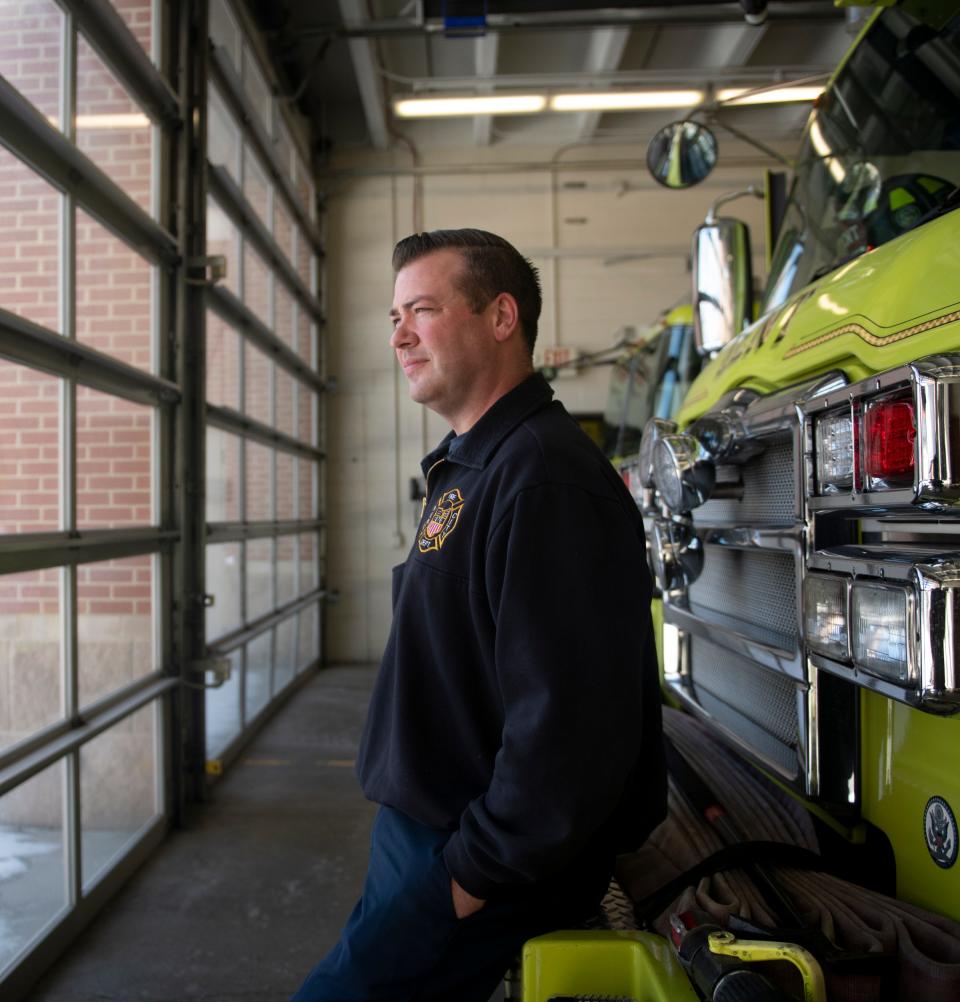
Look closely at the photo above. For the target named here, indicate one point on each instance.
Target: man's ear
(506, 316)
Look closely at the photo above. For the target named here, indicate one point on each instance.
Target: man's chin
(419, 393)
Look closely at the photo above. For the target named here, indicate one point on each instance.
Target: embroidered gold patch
(441, 521)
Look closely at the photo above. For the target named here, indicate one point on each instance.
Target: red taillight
(625, 476)
(890, 430)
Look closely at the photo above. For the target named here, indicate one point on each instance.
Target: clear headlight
(683, 471)
(655, 429)
(881, 626)
(835, 452)
(825, 615)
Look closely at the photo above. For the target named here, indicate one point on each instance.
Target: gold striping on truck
(874, 339)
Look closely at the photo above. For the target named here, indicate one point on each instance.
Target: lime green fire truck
(806, 534)
(804, 502)
(649, 379)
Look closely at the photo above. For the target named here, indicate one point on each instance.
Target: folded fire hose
(748, 861)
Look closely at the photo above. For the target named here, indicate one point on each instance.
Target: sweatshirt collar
(475, 447)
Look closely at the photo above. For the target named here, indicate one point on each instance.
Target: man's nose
(402, 335)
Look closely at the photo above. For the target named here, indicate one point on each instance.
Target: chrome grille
(758, 705)
(752, 592)
(769, 496)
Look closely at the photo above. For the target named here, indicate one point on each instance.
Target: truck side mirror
(682, 154)
(722, 283)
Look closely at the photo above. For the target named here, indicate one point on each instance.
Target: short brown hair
(491, 265)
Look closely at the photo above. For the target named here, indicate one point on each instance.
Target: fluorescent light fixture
(135, 120)
(625, 100)
(494, 104)
(773, 95)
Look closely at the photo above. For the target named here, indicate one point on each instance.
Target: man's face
(445, 349)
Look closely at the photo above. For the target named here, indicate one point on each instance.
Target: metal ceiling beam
(365, 67)
(782, 12)
(756, 75)
(750, 162)
(603, 55)
(485, 60)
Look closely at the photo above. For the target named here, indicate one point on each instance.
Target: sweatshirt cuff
(465, 873)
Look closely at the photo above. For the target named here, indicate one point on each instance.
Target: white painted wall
(611, 246)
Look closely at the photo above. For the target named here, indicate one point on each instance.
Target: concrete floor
(240, 905)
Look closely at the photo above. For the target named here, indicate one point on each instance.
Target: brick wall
(114, 295)
(29, 450)
(285, 465)
(258, 478)
(223, 483)
(29, 251)
(119, 145)
(113, 313)
(113, 461)
(223, 362)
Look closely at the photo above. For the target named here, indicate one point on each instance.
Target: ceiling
(343, 62)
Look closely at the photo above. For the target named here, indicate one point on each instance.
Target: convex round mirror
(682, 154)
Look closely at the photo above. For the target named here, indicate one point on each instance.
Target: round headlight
(655, 429)
(683, 471)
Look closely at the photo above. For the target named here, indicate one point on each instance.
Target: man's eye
(423, 309)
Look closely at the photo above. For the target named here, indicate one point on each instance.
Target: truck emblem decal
(940, 832)
(872, 339)
(441, 521)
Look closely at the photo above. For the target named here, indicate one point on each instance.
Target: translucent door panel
(118, 790)
(223, 709)
(259, 670)
(30, 252)
(259, 482)
(33, 887)
(285, 653)
(31, 677)
(223, 476)
(259, 578)
(34, 68)
(112, 128)
(286, 569)
(223, 363)
(114, 461)
(115, 624)
(114, 295)
(29, 450)
(223, 583)
(309, 640)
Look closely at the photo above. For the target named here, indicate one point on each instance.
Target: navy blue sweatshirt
(517, 703)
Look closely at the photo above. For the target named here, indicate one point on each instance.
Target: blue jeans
(404, 942)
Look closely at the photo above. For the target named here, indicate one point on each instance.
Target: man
(513, 738)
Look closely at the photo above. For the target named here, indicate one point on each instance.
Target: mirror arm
(715, 119)
(751, 189)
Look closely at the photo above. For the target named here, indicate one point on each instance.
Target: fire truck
(803, 505)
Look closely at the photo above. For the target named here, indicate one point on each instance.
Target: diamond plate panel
(768, 491)
(758, 705)
(750, 591)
